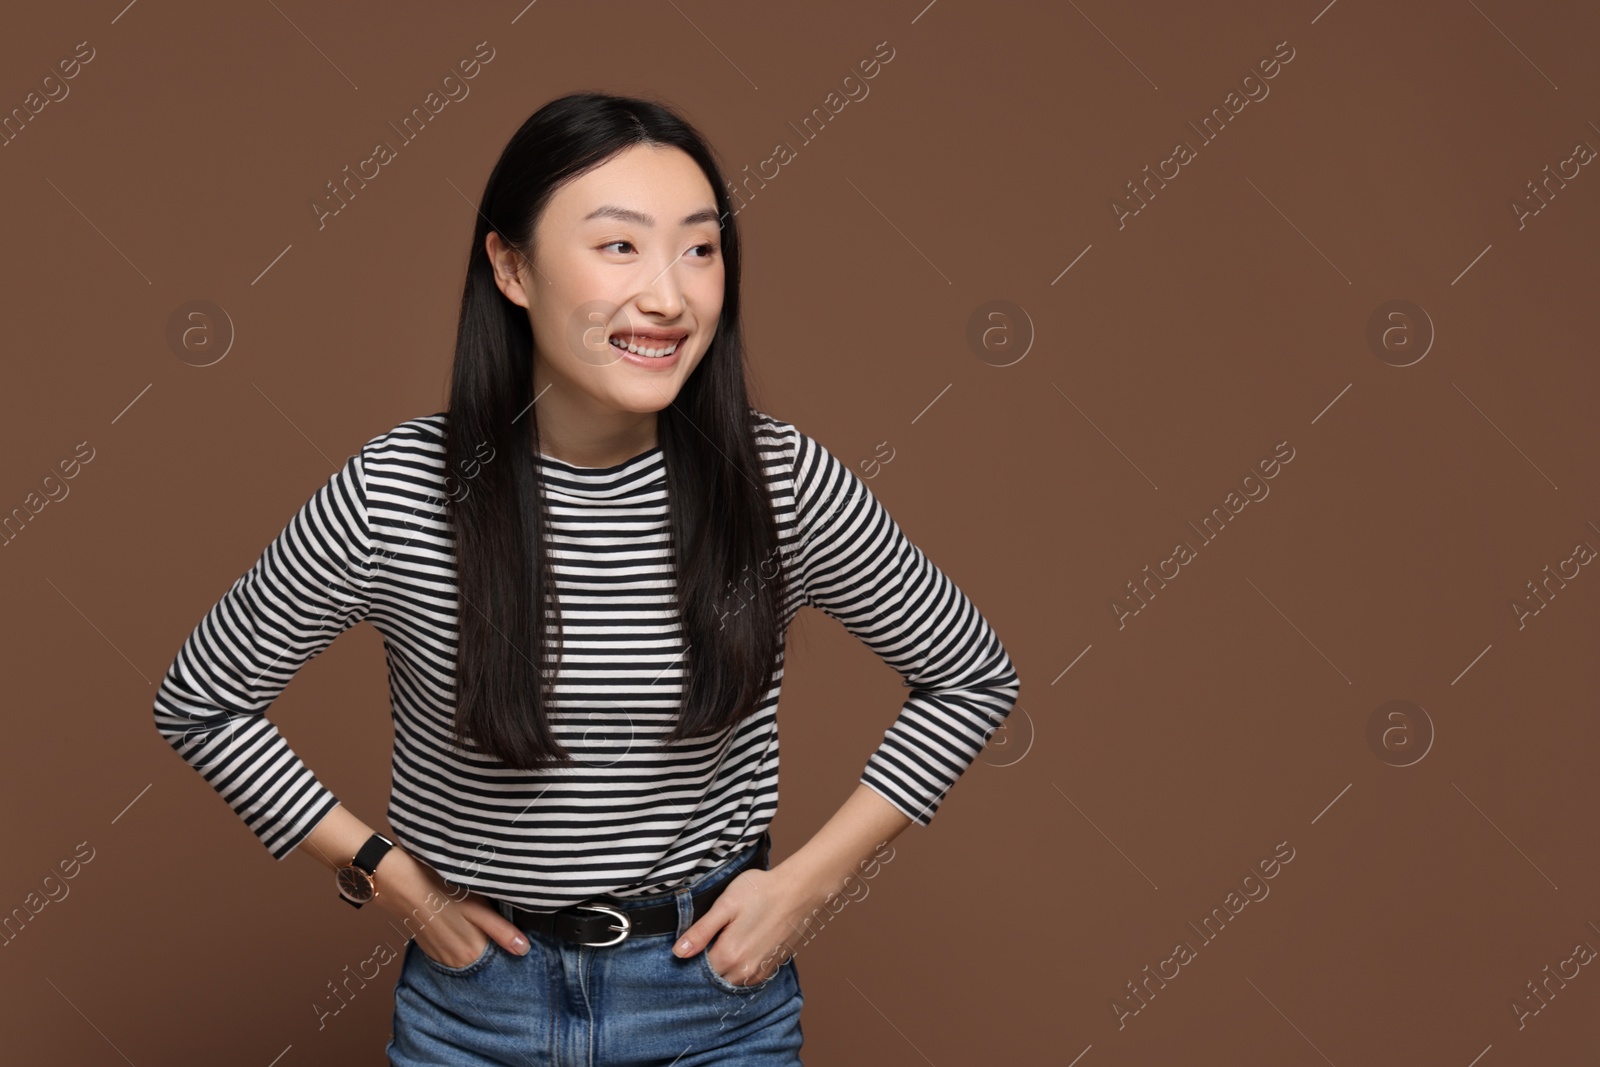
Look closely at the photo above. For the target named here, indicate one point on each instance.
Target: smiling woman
(636, 294)
(585, 762)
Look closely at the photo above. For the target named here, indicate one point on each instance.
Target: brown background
(1128, 794)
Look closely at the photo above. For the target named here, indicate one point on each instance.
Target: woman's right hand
(451, 925)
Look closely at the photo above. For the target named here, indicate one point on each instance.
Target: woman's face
(628, 252)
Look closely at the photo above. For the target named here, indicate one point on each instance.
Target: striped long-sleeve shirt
(631, 817)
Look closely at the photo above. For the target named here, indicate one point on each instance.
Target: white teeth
(638, 350)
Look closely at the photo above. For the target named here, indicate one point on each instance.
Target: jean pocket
(726, 986)
(489, 951)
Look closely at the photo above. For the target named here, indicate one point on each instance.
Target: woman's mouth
(657, 354)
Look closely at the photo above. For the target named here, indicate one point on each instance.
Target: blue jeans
(631, 1004)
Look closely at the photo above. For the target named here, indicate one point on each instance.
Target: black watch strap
(371, 852)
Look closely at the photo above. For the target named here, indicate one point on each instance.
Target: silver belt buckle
(617, 913)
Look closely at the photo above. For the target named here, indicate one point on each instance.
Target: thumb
(505, 933)
(703, 929)
(510, 937)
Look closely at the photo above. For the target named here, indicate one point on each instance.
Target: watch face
(355, 884)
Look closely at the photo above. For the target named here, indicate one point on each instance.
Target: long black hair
(723, 535)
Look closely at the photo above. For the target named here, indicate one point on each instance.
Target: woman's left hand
(753, 921)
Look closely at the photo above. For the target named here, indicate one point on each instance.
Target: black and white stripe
(633, 817)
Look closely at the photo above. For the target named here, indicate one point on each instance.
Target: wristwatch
(356, 884)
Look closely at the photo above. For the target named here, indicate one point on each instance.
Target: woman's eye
(706, 250)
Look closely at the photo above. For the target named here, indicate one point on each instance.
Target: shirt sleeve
(311, 584)
(857, 566)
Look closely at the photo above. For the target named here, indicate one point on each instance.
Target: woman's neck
(592, 444)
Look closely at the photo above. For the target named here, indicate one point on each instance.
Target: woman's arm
(855, 564)
(311, 584)
(845, 847)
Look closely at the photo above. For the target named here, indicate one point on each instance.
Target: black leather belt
(597, 924)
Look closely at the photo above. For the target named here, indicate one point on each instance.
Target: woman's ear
(507, 264)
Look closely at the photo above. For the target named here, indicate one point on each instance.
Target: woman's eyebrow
(611, 211)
